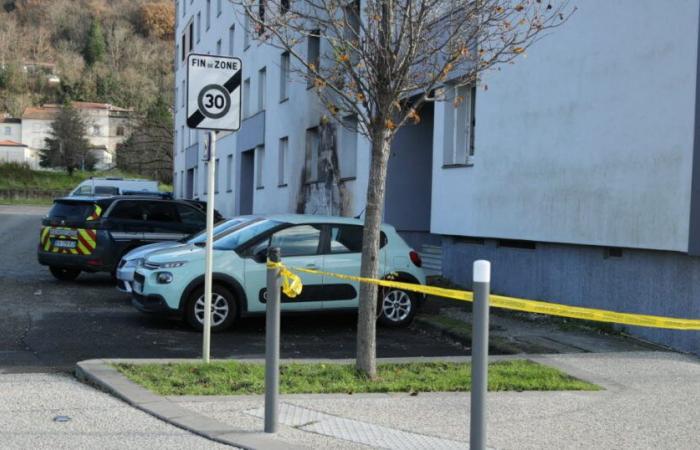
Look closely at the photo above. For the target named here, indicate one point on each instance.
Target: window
(229, 173)
(184, 7)
(96, 130)
(313, 54)
(218, 47)
(205, 176)
(259, 166)
(199, 26)
(161, 212)
(282, 162)
(191, 43)
(231, 40)
(246, 98)
(191, 216)
(301, 240)
(128, 210)
(261, 16)
(346, 239)
(208, 14)
(458, 146)
(246, 32)
(262, 82)
(183, 46)
(284, 6)
(218, 8)
(195, 181)
(120, 131)
(312, 151)
(352, 31)
(184, 93)
(182, 183)
(8, 131)
(348, 147)
(284, 76)
(216, 177)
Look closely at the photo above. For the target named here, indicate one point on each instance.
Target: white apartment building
(576, 171)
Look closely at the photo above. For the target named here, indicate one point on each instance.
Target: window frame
(458, 150)
(285, 70)
(282, 161)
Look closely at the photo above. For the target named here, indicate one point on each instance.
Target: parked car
(109, 186)
(128, 264)
(171, 281)
(91, 234)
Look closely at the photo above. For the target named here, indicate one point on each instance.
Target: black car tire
(64, 274)
(222, 300)
(396, 308)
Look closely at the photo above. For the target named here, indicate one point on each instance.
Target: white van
(113, 186)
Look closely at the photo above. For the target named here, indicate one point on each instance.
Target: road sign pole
(480, 354)
(272, 344)
(209, 259)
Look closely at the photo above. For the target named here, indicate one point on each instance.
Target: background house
(106, 127)
(576, 171)
(14, 152)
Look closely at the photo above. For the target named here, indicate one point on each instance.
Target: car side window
(162, 212)
(191, 216)
(299, 240)
(128, 210)
(348, 239)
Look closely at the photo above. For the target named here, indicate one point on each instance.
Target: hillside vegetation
(111, 51)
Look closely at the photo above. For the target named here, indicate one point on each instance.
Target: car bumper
(90, 263)
(125, 277)
(152, 304)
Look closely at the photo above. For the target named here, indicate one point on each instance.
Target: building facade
(107, 126)
(576, 171)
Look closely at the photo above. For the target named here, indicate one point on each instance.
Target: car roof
(111, 198)
(312, 218)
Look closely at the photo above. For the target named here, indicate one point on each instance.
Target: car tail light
(94, 262)
(415, 258)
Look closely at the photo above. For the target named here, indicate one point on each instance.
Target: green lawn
(236, 378)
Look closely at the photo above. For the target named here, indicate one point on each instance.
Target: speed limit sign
(213, 92)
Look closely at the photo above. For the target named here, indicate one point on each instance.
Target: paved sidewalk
(33, 405)
(650, 400)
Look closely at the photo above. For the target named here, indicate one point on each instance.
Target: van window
(106, 190)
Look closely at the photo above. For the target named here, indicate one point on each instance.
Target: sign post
(214, 104)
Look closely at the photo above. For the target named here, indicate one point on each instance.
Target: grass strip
(236, 378)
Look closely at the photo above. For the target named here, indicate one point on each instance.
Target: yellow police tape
(292, 287)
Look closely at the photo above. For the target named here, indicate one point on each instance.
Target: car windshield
(233, 239)
(228, 226)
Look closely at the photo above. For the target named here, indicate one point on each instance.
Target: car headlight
(171, 265)
(164, 277)
(134, 262)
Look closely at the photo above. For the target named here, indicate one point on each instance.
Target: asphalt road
(47, 325)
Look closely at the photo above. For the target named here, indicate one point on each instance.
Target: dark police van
(91, 234)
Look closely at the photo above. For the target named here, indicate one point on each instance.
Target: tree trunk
(367, 317)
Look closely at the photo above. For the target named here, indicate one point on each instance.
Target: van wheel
(223, 308)
(63, 274)
(396, 307)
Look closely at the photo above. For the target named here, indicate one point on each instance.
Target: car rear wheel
(64, 274)
(396, 307)
(223, 308)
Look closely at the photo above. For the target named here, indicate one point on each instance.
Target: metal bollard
(272, 344)
(480, 354)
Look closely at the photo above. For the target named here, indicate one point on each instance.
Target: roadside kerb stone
(100, 373)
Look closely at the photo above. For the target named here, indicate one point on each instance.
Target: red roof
(11, 144)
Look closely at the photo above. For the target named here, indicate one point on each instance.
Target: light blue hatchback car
(171, 281)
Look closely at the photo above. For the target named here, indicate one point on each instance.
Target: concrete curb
(100, 373)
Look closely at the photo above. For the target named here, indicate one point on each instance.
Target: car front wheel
(63, 274)
(397, 307)
(223, 308)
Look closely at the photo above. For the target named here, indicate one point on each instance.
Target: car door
(127, 221)
(343, 255)
(300, 247)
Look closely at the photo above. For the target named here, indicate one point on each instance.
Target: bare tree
(381, 60)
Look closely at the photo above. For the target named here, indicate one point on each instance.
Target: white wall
(21, 155)
(15, 132)
(586, 140)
